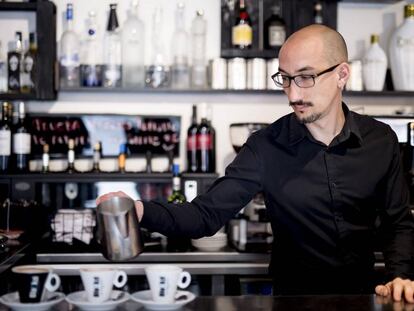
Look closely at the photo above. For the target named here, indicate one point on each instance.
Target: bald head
(333, 46)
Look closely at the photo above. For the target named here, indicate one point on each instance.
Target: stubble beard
(306, 119)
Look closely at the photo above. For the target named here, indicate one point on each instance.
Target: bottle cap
(45, 148)
(71, 143)
(374, 38)
(409, 10)
(123, 148)
(176, 169)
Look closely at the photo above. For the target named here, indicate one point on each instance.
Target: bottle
(205, 143)
(192, 162)
(177, 195)
(71, 156)
(5, 138)
(133, 47)
(122, 157)
(148, 159)
(242, 32)
(91, 58)
(317, 13)
(180, 71)
(96, 155)
(69, 53)
(402, 53)
(274, 29)
(374, 66)
(14, 60)
(45, 158)
(3, 70)
(112, 51)
(21, 141)
(29, 66)
(198, 36)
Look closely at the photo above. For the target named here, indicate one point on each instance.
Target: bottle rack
(46, 54)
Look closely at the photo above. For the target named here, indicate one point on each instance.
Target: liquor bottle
(71, 156)
(180, 71)
(69, 61)
(122, 157)
(192, 162)
(402, 54)
(374, 66)
(14, 59)
(29, 66)
(274, 28)
(205, 143)
(5, 138)
(97, 149)
(3, 70)
(148, 159)
(112, 51)
(242, 32)
(21, 141)
(198, 36)
(45, 158)
(317, 14)
(133, 47)
(177, 195)
(91, 58)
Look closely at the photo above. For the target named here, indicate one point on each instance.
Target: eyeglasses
(303, 81)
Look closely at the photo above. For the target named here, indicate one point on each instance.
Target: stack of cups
(272, 68)
(256, 74)
(218, 73)
(237, 74)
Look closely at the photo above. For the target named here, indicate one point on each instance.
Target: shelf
(249, 53)
(17, 96)
(18, 6)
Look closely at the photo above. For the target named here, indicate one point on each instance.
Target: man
(329, 176)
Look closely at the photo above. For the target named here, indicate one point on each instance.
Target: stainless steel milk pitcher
(118, 229)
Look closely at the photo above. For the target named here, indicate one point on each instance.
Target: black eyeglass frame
(301, 75)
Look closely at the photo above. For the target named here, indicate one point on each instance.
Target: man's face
(305, 58)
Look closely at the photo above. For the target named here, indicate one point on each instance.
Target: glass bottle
(180, 71)
(177, 195)
(198, 38)
(21, 141)
(91, 58)
(3, 70)
(133, 47)
(69, 61)
(242, 32)
(205, 143)
(112, 71)
(274, 28)
(317, 13)
(5, 138)
(14, 60)
(97, 149)
(402, 52)
(122, 157)
(71, 156)
(28, 76)
(374, 66)
(45, 158)
(192, 143)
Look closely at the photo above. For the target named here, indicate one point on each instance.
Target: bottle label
(13, 63)
(192, 143)
(21, 143)
(242, 35)
(5, 143)
(277, 35)
(204, 142)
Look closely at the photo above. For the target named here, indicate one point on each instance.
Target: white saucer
(79, 300)
(145, 297)
(12, 300)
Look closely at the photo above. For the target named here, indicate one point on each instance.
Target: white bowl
(58, 165)
(35, 165)
(108, 165)
(135, 165)
(83, 165)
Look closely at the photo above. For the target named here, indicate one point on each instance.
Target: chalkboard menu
(158, 134)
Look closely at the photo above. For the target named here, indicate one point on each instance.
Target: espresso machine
(250, 230)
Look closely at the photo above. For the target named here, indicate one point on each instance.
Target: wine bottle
(5, 138)
(14, 60)
(21, 141)
(274, 28)
(192, 143)
(198, 36)
(177, 195)
(3, 70)
(205, 143)
(29, 66)
(71, 156)
(242, 32)
(45, 158)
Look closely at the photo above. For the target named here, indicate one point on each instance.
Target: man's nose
(294, 92)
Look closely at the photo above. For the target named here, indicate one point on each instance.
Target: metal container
(256, 74)
(237, 74)
(218, 73)
(118, 229)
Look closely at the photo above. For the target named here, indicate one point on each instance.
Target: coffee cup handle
(52, 282)
(185, 280)
(120, 278)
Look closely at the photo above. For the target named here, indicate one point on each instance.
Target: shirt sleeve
(397, 229)
(208, 212)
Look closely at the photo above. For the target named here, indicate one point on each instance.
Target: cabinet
(46, 38)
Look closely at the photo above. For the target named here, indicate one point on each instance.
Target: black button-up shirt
(325, 203)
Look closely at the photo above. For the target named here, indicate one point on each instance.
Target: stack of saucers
(211, 243)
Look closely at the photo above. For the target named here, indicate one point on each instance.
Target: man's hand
(139, 207)
(397, 289)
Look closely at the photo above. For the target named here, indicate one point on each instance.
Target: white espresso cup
(98, 282)
(164, 280)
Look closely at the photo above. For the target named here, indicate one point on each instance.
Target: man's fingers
(109, 195)
(382, 290)
(409, 292)
(397, 290)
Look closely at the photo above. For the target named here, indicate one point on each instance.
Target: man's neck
(328, 127)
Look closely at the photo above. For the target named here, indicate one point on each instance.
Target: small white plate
(12, 301)
(80, 300)
(145, 297)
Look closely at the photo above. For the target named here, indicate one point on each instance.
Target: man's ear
(344, 73)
